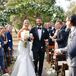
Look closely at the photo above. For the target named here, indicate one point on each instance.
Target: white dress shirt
(40, 33)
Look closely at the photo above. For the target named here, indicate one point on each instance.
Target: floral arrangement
(25, 37)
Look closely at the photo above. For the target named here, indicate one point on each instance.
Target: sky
(64, 4)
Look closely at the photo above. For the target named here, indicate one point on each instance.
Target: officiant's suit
(38, 47)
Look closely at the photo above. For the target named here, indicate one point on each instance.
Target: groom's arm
(31, 34)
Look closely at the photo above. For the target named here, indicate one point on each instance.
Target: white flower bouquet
(25, 37)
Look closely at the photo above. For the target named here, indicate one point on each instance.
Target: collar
(72, 28)
(39, 26)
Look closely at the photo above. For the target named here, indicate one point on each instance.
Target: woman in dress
(23, 65)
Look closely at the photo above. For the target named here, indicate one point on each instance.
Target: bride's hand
(26, 38)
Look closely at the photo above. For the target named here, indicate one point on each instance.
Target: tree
(2, 4)
(31, 9)
(71, 9)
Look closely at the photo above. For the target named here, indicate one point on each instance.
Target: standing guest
(61, 39)
(39, 36)
(71, 46)
(10, 42)
(2, 65)
(5, 47)
(61, 35)
(67, 29)
(51, 31)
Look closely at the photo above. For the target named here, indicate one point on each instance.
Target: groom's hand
(31, 36)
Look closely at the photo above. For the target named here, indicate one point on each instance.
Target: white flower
(43, 31)
(26, 36)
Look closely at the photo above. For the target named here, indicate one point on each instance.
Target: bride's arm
(24, 36)
(19, 35)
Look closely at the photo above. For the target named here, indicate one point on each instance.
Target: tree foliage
(21, 9)
(71, 9)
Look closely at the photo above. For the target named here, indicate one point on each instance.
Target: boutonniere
(43, 31)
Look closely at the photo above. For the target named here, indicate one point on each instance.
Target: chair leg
(63, 70)
(56, 66)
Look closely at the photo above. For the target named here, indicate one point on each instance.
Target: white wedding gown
(23, 65)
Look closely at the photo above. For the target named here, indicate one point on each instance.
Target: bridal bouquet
(26, 36)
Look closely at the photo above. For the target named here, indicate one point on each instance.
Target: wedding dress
(23, 65)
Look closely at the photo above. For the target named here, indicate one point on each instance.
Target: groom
(39, 36)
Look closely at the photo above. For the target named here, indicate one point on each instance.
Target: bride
(23, 65)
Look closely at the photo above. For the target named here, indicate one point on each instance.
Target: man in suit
(10, 42)
(71, 46)
(2, 65)
(51, 31)
(61, 35)
(40, 35)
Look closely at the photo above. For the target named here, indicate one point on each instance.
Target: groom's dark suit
(38, 47)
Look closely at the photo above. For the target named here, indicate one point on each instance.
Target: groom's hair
(38, 18)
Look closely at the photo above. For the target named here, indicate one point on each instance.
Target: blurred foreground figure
(71, 46)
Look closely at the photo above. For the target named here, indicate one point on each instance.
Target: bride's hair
(26, 22)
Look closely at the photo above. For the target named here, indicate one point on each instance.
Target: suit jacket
(51, 33)
(1, 49)
(61, 38)
(71, 48)
(9, 39)
(39, 44)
